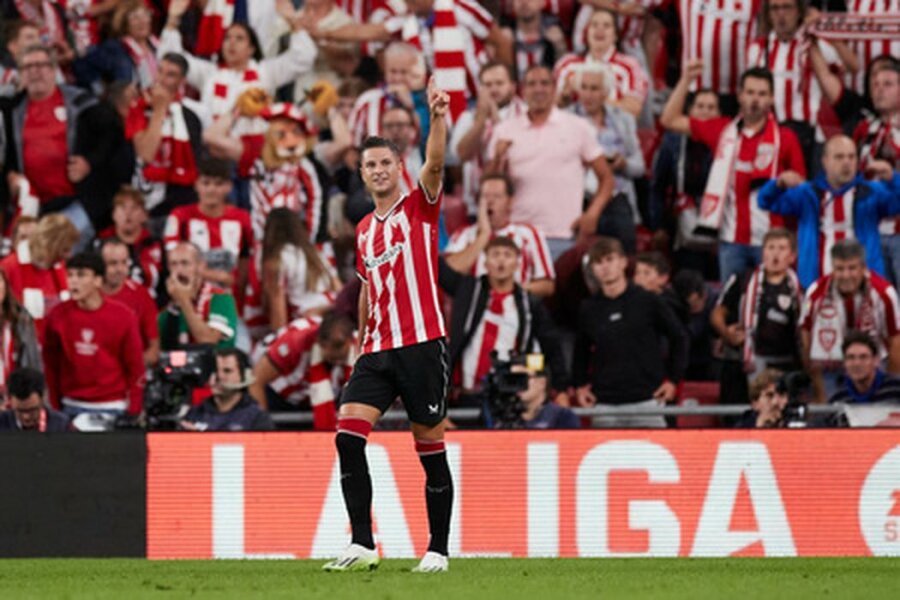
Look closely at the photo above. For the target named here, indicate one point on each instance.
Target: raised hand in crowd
(177, 8)
(879, 169)
(790, 179)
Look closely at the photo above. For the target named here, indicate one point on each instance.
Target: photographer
(768, 400)
(539, 410)
(230, 408)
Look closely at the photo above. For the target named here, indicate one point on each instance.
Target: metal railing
(468, 415)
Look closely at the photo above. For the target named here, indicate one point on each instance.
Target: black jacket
(470, 297)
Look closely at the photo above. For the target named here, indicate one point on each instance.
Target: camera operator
(230, 408)
(768, 400)
(539, 410)
(493, 313)
(28, 411)
(199, 313)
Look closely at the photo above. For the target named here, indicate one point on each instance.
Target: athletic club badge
(784, 301)
(765, 154)
(827, 338)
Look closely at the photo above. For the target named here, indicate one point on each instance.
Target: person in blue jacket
(838, 204)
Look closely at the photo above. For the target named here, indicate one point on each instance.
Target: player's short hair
(374, 141)
(501, 241)
(848, 250)
(758, 73)
(25, 381)
(87, 260)
(780, 233)
(656, 260)
(859, 337)
(603, 247)
(177, 60)
(765, 378)
(496, 176)
(333, 324)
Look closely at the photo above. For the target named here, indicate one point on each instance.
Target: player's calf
(438, 493)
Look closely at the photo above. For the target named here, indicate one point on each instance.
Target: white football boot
(354, 558)
(432, 562)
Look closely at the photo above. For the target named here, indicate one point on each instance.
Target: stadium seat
(694, 393)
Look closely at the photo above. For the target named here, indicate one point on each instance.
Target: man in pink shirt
(546, 152)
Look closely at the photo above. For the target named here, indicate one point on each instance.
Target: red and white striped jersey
(534, 261)
(294, 351)
(293, 186)
(630, 77)
(798, 94)
(396, 258)
(497, 331)
(631, 28)
(473, 169)
(717, 31)
(835, 224)
(866, 50)
(231, 233)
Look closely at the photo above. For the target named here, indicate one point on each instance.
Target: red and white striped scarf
(174, 162)
(750, 307)
(721, 174)
(880, 141)
(449, 58)
(84, 27)
(217, 17)
(51, 25)
(144, 60)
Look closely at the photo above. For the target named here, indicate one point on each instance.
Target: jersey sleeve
(287, 350)
(223, 317)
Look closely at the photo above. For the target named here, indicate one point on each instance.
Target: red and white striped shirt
(798, 94)
(835, 224)
(396, 258)
(630, 28)
(293, 186)
(631, 79)
(231, 233)
(534, 261)
(868, 49)
(305, 377)
(497, 330)
(718, 32)
(365, 118)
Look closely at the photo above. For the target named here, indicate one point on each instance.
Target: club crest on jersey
(385, 257)
(765, 154)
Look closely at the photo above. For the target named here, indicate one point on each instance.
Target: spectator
(747, 150)
(698, 302)
(537, 36)
(618, 348)
(545, 152)
(166, 128)
(471, 138)
(677, 184)
(35, 270)
(20, 344)
(144, 251)
(128, 55)
(306, 364)
(616, 131)
(216, 19)
(839, 204)
(628, 85)
(119, 287)
(652, 272)
(757, 317)
(69, 150)
(333, 61)
(220, 230)
(466, 252)
(17, 36)
(767, 402)
(230, 408)
(871, 46)
(851, 298)
(290, 278)
(492, 313)
(539, 410)
(863, 380)
(28, 410)
(92, 347)
(199, 312)
(785, 52)
(400, 60)
(428, 26)
(399, 127)
(50, 17)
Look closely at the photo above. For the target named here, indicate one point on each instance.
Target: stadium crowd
(652, 201)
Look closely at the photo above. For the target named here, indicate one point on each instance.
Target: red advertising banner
(592, 493)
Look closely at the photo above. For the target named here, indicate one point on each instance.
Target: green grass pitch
(694, 579)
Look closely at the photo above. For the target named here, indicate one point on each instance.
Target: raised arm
(199, 70)
(432, 174)
(782, 195)
(673, 117)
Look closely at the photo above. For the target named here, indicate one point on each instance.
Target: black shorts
(419, 374)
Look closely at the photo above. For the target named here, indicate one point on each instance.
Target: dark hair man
(27, 411)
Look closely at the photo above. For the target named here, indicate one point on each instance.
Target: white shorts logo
(879, 506)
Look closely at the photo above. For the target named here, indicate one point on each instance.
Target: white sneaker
(432, 562)
(354, 558)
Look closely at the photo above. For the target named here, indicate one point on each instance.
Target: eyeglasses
(36, 65)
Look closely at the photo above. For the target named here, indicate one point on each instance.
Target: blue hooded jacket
(873, 202)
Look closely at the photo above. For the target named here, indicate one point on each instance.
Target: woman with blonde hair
(36, 272)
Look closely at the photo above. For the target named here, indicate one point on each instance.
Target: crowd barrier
(519, 493)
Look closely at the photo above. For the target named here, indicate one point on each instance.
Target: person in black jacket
(618, 357)
(29, 411)
(493, 313)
